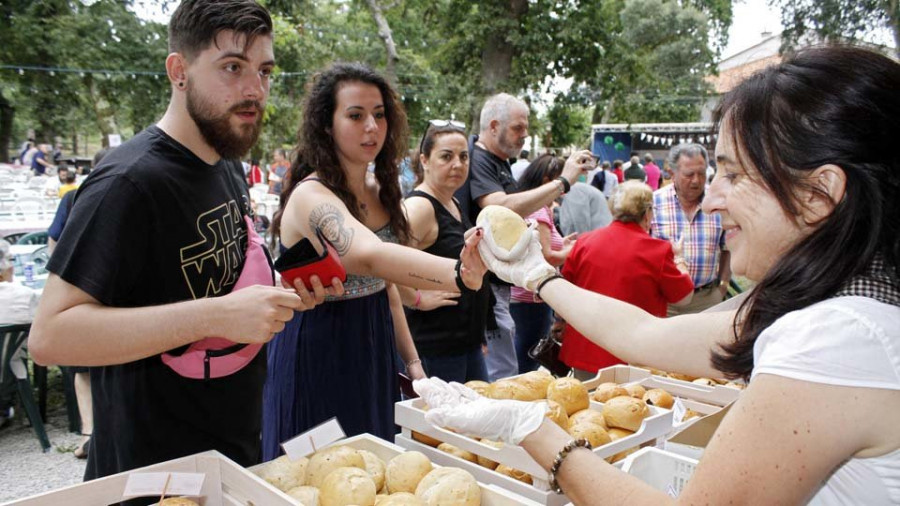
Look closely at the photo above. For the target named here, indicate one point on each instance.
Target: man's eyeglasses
(440, 123)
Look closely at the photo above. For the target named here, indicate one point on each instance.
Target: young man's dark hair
(196, 23)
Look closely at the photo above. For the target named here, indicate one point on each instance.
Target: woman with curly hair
(339, 359)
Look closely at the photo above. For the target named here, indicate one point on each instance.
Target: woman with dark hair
(533, 317)
(447, 327)
(339, 360)
(808, 187)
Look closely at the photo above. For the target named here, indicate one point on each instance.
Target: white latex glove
(507, 421)
(527, 272)
(437, 392)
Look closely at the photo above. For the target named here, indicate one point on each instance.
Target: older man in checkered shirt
(677, 217)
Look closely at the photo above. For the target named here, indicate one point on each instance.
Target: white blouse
(845, 341)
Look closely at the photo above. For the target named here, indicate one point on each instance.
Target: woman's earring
(181, 84)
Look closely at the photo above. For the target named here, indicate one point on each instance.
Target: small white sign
(678, 411)
(153, 484)
(313, 440)
(115, 140)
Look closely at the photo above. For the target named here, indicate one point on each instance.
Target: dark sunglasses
(440, 123)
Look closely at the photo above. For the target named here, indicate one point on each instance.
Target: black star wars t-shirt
(153, 225)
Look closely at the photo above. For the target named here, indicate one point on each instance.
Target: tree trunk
(496, 60)
(384, 31)
(609, 110)
(7, 113)
(103, 110)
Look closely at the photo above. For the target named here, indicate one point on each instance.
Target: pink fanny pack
(215, 357)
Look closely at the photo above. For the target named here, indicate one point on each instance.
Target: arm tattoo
(330, 221)
(419, 276)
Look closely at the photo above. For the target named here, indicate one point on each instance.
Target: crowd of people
(191, 345)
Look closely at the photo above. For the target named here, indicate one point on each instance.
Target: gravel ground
(25, 469)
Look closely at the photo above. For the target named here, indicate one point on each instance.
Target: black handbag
(546, 353)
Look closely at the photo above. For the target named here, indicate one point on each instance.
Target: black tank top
(451, 330)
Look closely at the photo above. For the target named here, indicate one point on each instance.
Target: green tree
(837, 20)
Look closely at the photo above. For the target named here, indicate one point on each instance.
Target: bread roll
(449, 486)
(508, 389)
(375, 468)
(505, 230)
(323, 462)
(459, 452)
(659, 398)
(625, 413)
(308, 496)
(616, 433)
(178, 501)
(428, 440)
(514, 473)
(570, 393)
(284, 473)
(347, 485)
(484, 461)
(586, 416)
(682, 377)
(398, 499)
(705, 382)
(594, 433)
(404, 472)
(535, 383)
(622, 454)
(607, 391)
(556, 413)
(480, 387)
(636, 391)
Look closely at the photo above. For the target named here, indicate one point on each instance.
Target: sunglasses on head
(440, 123)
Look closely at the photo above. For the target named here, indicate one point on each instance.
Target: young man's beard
(217, 130)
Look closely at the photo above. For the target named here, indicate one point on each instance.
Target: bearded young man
(504, 128)
(156, 243)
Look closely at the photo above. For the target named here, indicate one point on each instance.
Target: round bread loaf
(682, 377)
(586, 416)
(622, 454)
(659, 398)
(625, 413)
(570, 393)
(308, 496)
(616, 433)
(422, 438)
(459, 452)
(607, 391)
(535, 383)
(323, 462)
(284, 473)
(508, 389)
(636, 391)
(480, 387)
(556, 413)
(594, 433)
(178, 501)
(514, 474)
(347, 485)
(484, 461)
(398, 499)
(449, 486)
(375, 468)
(504, 231)
(705, 382)
(404, 472)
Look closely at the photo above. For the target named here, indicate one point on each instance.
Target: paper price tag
(153, 484)
(678, 411)
(313, 440)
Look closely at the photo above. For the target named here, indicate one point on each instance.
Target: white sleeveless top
(845, 341)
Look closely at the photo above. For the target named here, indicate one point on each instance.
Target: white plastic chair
(29, 208)
(38, 182)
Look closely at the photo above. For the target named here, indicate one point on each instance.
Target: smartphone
(406, 387)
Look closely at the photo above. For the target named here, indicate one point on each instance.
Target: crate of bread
(365, 470)
(225, 484)
(691, 398)
(614, 428)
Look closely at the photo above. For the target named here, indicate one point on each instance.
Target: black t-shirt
(449, 330)
(154, 225)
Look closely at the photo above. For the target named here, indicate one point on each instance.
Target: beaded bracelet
(557, 462)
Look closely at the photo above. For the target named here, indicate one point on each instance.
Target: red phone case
(326, 265)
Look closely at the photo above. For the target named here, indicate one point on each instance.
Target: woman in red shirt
(624, 262)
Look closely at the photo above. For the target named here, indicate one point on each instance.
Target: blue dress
(336, 360)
